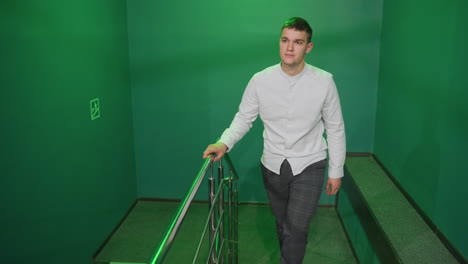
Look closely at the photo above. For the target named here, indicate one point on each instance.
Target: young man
(297, 104)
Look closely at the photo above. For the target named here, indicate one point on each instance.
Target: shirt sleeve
(242, 122)
(335, 131)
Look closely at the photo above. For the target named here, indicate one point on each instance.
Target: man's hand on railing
(218, 148)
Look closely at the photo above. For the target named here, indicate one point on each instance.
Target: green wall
(65, 181)
(421, 124)
(190, 64)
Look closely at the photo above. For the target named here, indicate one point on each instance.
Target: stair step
(410, 238)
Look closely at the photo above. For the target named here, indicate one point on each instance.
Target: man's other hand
(218, 148)
(333, 185)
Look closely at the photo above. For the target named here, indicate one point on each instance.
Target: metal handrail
(217, 239)
(161, 252)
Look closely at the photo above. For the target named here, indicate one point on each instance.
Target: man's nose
(290, 46)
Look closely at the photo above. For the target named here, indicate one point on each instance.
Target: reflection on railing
(222, 221)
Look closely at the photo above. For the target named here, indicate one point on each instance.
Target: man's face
(293, 47)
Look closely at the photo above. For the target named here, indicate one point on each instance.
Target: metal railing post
(211, 197)
(230, 219)
(221, 208)
(236, 223)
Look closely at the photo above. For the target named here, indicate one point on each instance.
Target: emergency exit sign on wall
(94, 108)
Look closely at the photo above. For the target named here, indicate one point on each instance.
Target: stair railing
(222, 220)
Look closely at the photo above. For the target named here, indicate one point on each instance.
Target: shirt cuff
(335, 173)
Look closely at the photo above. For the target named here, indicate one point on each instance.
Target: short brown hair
(299, 24)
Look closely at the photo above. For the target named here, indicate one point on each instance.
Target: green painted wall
(421, 127)
(191, 61)
(65, 181)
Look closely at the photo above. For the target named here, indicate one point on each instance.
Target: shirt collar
(295, 77)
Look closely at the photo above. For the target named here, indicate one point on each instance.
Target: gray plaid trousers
(293, 201)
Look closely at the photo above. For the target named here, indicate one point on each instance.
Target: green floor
(139, 234)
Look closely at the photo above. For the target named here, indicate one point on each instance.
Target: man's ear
(310, 45)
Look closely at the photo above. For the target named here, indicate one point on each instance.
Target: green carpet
(137, 237)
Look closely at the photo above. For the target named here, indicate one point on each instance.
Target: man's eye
(299, 42)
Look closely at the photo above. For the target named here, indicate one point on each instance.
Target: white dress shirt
(296, 111)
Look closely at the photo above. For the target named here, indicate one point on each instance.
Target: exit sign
(94, 108)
